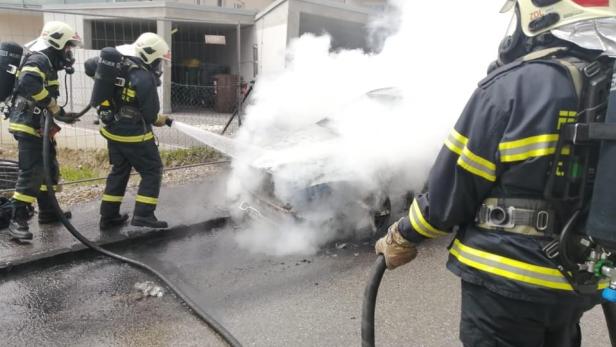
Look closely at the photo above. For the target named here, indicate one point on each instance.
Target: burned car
(302, 177)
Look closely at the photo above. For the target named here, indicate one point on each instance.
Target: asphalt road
(262, 300)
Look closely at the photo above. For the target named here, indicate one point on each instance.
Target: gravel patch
(81, 193)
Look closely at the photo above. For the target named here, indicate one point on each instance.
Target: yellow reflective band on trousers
(44, 188)
(146, 200)
(421, 225)
(53, 83)
(24, 198)
(40, 95)
(112, 198)
(530, 147)
(128, 139)
(24, 129)
(510, 268)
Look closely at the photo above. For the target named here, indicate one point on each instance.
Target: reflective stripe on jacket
(38, 83)
(501, 146)
(139, 94)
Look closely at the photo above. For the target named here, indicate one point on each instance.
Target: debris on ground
(341, 245)
(148, 288)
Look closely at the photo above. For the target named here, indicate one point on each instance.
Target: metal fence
(203, 88)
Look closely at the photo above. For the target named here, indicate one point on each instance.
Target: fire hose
(372, 288)
(369, 304)
(197, 310)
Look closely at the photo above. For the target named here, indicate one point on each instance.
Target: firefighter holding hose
(35, 95)
(125, 93)
(489, 179)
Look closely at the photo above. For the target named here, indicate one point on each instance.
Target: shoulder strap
(576, 75)
(544, 53)
(569, 63)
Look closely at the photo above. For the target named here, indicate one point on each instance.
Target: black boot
(107, 223)
(50, 217)
(18, 226)
(149, 221)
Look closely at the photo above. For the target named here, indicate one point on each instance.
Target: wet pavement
(53, 240)
(262, 300)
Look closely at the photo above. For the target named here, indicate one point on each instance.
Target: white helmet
(148, 47)
(540, 16)
(56, 35)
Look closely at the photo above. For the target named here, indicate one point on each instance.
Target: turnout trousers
(492, 320)
(145, 158)
(30, 186)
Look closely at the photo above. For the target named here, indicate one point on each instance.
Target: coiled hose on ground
(202, 314)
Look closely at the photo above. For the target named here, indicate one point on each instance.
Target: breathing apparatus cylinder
(108, 70)
(10, 58)
(90, 66)
(601, 223)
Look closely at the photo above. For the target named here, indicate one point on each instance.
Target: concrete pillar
(163, 28)
(293, 21)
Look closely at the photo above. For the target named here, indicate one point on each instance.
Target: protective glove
(163, 120)
(396, 249)
(54, 108)
(58, 113)
(67, 117)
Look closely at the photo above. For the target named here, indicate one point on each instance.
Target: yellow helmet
(540, 16)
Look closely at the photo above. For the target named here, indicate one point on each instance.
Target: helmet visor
(507, 6)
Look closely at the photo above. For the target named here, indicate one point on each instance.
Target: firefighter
(35, 95)
(128, 120)
(487, 183)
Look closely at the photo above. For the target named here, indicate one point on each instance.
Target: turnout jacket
(135, 107)
(501, 146)
(37, 84)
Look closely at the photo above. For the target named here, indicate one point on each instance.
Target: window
(111, 33)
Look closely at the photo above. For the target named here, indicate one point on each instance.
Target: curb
(78, 250)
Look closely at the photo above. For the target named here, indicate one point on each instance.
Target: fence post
(239, 72)
(163, 29)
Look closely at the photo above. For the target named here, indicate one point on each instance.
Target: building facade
(217, 45)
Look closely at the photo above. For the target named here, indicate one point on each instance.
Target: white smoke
(436, 58)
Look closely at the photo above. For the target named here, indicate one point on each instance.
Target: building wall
(249, 59)
(20, 27)
(271, 39)
(373, 4)
(270, 34)
(245, 4)
(319, 8)
(280, 24)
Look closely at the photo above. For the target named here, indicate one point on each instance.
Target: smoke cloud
(368, 147)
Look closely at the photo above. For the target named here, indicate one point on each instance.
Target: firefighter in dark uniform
(488, 181)
(128, 120)
(36, 93)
